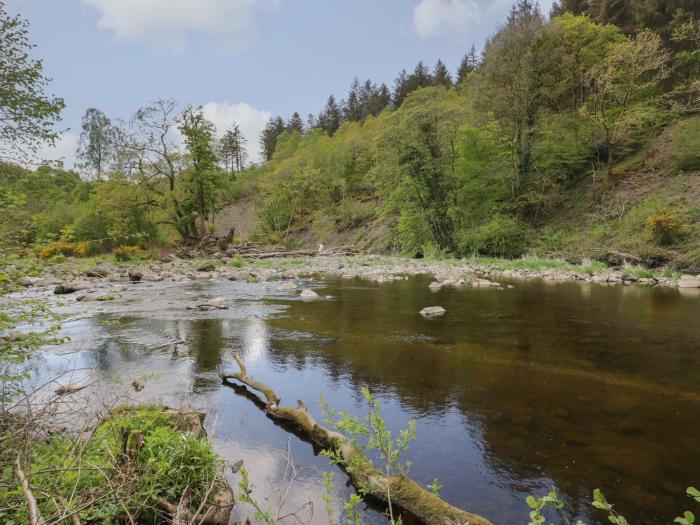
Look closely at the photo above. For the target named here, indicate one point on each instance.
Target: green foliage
(16, 346)
(133, 459)
(500, 236)
(375, 436)
(27, 113)
(686, 151)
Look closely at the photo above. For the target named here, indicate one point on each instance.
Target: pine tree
(268, 138)
(400, 88)
(469, 63)
(232, 150)
(331, 117)
(441, 76)
(295, 124)
(353, 110)
(311, 121)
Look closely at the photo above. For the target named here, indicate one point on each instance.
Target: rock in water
(689, 281)
(101, 270)
(67, 288)
(433, 311)
(435, 285)
(287, 286)
(135, 276)
(308, 294)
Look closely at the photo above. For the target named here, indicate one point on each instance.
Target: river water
(514, 391)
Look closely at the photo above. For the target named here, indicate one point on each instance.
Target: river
(514, 391)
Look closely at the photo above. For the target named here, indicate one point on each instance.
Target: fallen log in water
(406, 494)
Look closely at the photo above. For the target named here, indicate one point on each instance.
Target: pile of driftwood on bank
(225, 246)
(406, 494)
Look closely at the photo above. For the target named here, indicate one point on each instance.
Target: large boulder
(689, 281)
(100, 270)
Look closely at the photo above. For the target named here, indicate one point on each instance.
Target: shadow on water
(513, 391)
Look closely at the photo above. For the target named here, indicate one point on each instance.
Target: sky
(243, 60)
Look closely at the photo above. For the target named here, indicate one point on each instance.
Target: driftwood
(405, 493)
(211, 245)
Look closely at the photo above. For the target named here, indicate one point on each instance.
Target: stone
(287, 286)
(435, 285)
(217, 301)
(168, 258)
(433, 311)
(135, 276)
(71, 287)
(253, 278)
(689, 281)
(28, 281)
(308, 294)
(99, 271)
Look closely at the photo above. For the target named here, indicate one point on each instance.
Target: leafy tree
(511, 85)
(205, 176)
(331, 117)
(97, 144)
(571, 46)
(295, 124)
(27, 113)
(268, 138)
(622, 87)
(419, 142)
(441, 76)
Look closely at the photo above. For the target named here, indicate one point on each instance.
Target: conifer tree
(353, 107)
(441, 76)
(295, 124)
(331, 117)
(232, 149)
(469, 63)
(268, 138)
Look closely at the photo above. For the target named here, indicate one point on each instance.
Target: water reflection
(514, 391)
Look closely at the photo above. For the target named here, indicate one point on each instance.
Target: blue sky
(243, 59)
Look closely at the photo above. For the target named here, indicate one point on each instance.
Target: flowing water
(514, 391)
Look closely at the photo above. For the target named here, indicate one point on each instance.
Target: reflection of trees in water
(526, 363)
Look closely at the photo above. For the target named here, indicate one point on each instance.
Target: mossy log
(406, 494)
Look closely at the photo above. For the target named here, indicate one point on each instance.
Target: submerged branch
(406, 494)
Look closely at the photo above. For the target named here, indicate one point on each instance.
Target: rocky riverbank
(100, 282)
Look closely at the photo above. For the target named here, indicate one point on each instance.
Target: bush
(125, 253)
(664, 226)
(500, 236)
(67, 249)
(149, 454)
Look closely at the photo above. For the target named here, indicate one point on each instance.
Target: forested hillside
(573, 134)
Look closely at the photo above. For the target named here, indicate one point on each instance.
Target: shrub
(664, 225)
(500, 236)
(68, 249)
(125, 253)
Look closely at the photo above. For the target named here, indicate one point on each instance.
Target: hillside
(601, 219)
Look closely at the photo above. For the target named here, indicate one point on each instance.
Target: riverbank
(79, 274)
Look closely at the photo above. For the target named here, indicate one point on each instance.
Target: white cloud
(63, 150)
(251, 121)
(168, 25)
(434, 17)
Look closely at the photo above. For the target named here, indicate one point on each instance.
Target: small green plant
(551, 500)
(237, 262)
(378, 437)
(435, 487)
(246, 496)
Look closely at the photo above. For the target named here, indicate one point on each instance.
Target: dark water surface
(514, 391)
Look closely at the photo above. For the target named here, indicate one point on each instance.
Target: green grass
(164, 461)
